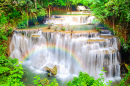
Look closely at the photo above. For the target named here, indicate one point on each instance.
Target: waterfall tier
(70, 19)
(85, 51)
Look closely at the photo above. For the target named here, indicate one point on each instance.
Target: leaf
(101, 74)
(38, 78)
(39, 85)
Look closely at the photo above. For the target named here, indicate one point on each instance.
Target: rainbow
(52, 46)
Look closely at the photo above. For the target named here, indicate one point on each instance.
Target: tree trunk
(113, 27)
(49, 11)
(35, 4)
(27, 20)
(66, 8)
(126, 32)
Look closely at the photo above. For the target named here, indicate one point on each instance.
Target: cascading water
(71, 20)
(71, 53)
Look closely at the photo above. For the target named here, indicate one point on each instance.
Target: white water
(92, 56)
(71, 20)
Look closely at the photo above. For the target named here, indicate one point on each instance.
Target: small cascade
(90, 20)
(71, 20)
(105, 32)
(71, 52)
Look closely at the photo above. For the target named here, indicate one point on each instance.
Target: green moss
(54, 71)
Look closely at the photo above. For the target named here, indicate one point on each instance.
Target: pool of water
(83, 27)
(37, 26)
(30, 73)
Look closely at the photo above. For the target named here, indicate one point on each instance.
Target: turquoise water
(29, 75)
(37, 26)
(83, 27)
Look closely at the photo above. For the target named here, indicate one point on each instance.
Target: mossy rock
(47, 69)
(53, 71)
(48, 74)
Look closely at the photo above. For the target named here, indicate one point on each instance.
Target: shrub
(11, 72)
(22, 24)
(85, 80)
(63, 28)
(44, 82)
(125, 78)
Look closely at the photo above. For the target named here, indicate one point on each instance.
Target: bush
(22, 24)
(125, 78)
(63, 28)
(85, 80)
(98, 29)
(11, 72)
(44, 82)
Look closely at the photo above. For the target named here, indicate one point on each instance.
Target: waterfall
(72, 53)
(71, 20)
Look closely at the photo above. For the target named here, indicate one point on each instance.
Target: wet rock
(48, 74)
(47, 69)
(8, 42)
(53, 71)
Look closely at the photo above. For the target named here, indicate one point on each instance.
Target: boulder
(47, 69)
(48, 74)
(52, 70)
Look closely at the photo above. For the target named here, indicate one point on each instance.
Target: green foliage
(9, 31)
(11, 72)
(36, 22)
(44, 82)
(82, 80)
(14, 14)
(37, 80)
(95, 21)
(17, 13)
(125, 78)
(117, 12)
(22, 24)
(3, 19)
(53, 83)
(85, 80)
(5, 33)
(125, 45)
(41, 12)
(3, 50)
(58, 12)
(3, 38)
(63, 28)
(98, 29)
